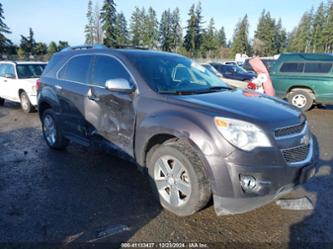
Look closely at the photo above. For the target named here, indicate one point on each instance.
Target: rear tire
(52, 131)
(25, 103)
(2, 101)
(301, 99)
(178, 178)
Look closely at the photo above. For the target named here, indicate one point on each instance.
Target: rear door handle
(93, 98)
(58, 87)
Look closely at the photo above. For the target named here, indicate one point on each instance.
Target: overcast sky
(65, 19)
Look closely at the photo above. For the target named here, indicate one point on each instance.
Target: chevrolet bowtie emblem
(305, 140)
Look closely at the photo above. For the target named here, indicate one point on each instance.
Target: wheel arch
(48, 99)
(20, 91)
(302, 87)
(42, 107)
(160, 138)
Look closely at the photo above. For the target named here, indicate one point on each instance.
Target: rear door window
(77, 69)
(292, 67)
(318, 67)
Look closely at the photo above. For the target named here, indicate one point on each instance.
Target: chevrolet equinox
(195, 137)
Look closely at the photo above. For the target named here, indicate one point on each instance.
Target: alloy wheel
(172, 181)
(49, 129)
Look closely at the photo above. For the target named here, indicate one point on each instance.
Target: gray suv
(193, 135)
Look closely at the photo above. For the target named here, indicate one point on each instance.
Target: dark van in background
(304, 79)
(234, 72)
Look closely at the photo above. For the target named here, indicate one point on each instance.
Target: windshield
(176, 74)
(25, 71)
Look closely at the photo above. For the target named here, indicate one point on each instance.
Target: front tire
(2, 101)
(178, 178)
(52, 131)
(25, 103)
(301, 99)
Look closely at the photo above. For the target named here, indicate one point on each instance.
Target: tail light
(38, 85)
(251, 86)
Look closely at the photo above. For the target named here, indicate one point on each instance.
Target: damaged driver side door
(108, 109)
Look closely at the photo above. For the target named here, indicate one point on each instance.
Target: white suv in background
(18, 82)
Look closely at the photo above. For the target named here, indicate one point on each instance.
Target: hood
(246, 105)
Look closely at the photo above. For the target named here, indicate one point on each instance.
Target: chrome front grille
(291, 130)
(296, 154)
(300, 137)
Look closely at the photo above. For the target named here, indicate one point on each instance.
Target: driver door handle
(92, 97)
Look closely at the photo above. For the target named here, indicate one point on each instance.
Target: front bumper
(269, 191)
(272, 182)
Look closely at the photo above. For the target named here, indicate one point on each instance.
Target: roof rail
(95, 46)
(132, 47)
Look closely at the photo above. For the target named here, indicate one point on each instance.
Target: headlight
(241, 134)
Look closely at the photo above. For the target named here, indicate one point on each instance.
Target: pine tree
(222, 38)
(165, 31)
(52, 48)
(318, 27)
(28, 43)
(240, 42)
(40, 48)
(265, 35)
(176, 29)
(300, 42)
(62, 45)
(328, 29)
(136, 26)
(210, 42)
(189, 40)
(121, 30)
(291, 40)
(150, 35)
(98, 30)
(198, 27)
(89, 28)
(108, 17)
(280, 43)
(4, 41)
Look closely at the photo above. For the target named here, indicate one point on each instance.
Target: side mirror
(10, 76)
(119, 85)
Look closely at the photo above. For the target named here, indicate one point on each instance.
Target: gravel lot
(90, 194)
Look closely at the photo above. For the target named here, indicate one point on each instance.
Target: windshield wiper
(195, 91)
(219, 88)
(176, 92)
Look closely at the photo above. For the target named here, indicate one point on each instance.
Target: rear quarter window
(53, 65)
(292, 67)
(318, 67)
